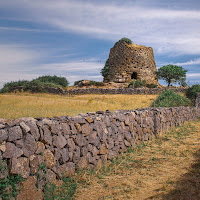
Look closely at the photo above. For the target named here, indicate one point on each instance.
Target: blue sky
(73, 38)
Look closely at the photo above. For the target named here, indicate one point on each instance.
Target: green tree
(172, 74)
(127, 40)
(105, 70)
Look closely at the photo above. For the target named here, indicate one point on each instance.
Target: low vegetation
(48, 105)
(192, 91)
(10, 184)
(139, 84)
(171, 99)
(39, 84)
(165, 168)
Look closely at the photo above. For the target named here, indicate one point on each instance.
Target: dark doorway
(134, 75)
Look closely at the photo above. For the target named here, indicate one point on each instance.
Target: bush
(127, 40)
(38, 85)
(77, 82)
(171, 99)
(62, 81)
(191, 92)
(136, 83)
(105, 70)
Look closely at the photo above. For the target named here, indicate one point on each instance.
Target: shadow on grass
(188, 186)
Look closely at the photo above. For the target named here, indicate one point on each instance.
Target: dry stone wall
(66, 143)
(121, 90)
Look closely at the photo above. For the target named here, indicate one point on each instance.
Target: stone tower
(131, 61)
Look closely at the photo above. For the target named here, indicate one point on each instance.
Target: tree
(172, 74)
(105, 70)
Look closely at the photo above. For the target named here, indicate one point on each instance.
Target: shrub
(62, 81)
(137, 83)
(127, 40)
(191, 92)
(77, 82)
(170, 99)
(105, 70)
(38, 85)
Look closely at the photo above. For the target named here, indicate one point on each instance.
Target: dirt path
(166, 168)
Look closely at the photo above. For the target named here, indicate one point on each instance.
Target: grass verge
(167, 167)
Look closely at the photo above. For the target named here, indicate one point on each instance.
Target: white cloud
(13, 55)
(165, 28)
(193, 75)
(191, 62)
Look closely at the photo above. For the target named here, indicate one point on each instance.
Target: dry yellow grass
(166, 168)
(47, 105)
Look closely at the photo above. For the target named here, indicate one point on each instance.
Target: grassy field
(165, 168)
(48, 105)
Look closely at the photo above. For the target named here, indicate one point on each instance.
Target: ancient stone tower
(131, 61)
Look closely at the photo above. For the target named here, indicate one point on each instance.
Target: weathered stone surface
(83, 163)
(49, 159)
(78, 127)
(92, 137)
(64, 154)
(67, 169)
(85, 129)
(59, 141)
(33, 129)
(20, 166)
(89, 119)
(80, 140)
(3, 146)
(131, 61)
(47, 138)
(103, 150)
(65, 129)
(71, 144)
(12, 151)
(35, 161)
(3, 135)
(50, 176)
(29, 191)
(40, 148)
(14, 133)
(30, 145)
(24, 127)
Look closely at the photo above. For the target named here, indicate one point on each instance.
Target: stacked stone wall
(126, 59)
(121, 90)
(66, 143)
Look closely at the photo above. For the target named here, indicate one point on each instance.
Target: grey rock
(85, 129)
(30, 145)
(14, 133)
(59, 141)
(80, 140)
(64, 155)
(50, 176)
(20, 166)
(65, 129)
(71, 144)
(47, 138)
(24, 127)
(33, 129)
(35, 161)
(3, 135)
(12, 151)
